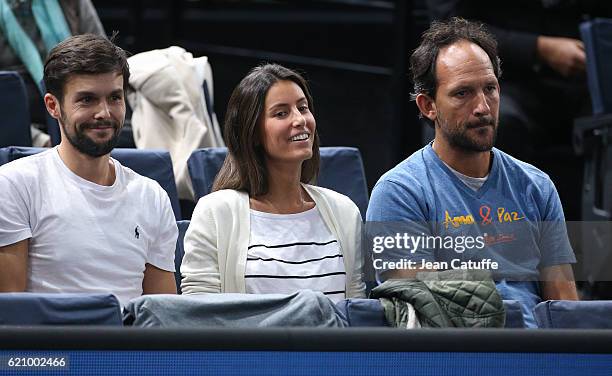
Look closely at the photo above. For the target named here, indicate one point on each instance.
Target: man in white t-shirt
(73, 219)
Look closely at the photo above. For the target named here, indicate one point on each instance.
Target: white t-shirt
(472, 182)
(291, 252)
(85, 237)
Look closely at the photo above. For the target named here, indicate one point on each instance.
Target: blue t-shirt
(515, 220)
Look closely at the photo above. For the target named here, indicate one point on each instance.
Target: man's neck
(96, 170)
(469, 163)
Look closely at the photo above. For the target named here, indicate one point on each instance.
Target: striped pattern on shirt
(290, 252)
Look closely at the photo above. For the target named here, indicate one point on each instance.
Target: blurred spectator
(28, 31)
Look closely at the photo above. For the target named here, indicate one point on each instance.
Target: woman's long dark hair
(244, 167)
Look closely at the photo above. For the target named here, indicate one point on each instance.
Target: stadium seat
(204, 164)
(155, 164)
(4, 156)
(596, 35)
(369, 312)
(52, 123)
(514, 314)
(363, 312)
(15, 112)
(53, 129)
(341, 170)
(570, 314)
(26, 308)
(180, 251)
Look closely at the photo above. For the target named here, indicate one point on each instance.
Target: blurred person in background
(29, 29)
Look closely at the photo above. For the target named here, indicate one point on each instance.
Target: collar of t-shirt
(84, 183)
(471, 182)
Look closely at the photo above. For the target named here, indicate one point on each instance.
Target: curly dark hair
(442, 34)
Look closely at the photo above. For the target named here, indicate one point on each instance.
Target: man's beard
(86, 145)
(458, 136)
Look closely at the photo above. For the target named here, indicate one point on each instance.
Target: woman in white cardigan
(264, 229)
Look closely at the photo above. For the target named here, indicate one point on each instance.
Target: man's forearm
(558, 283)
(14, 267)
(559, 290)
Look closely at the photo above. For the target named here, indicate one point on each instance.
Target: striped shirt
(290, 252)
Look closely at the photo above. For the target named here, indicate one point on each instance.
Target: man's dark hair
(442, 34)
(83, 54)
(244, 168)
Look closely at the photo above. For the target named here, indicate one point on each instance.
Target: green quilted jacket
(452, 298)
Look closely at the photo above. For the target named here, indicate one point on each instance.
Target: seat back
(370, 312)
(52, 123)
(514, 314)
(363, 312)
(203, 165)
(154, 164)
(592, 138)
(596, 35)
(59, 309)
(179, 252)
(341, 170)
(14, 112)
(569, 314)
(4, 156)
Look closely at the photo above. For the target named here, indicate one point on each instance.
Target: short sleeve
(395, 214)
(392, 201)
(161, 251)
(14, 214)
(554, 244)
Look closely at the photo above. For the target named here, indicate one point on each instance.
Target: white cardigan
(217, 240)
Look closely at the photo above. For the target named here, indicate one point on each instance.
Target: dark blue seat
(369, 312)
(363, 312)
(596, 35)
(341, 170)
(179, 252)
(514, 314)
(203, 165)
(52, 123)
(591, 138)
(53, 129)
(155, 164)
(4, 156)
(14, 112)
(26, 308)
(570, 314)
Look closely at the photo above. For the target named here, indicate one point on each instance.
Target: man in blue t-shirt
(459, 203)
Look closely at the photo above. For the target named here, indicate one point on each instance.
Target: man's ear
(427, 106)
(53, 106)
